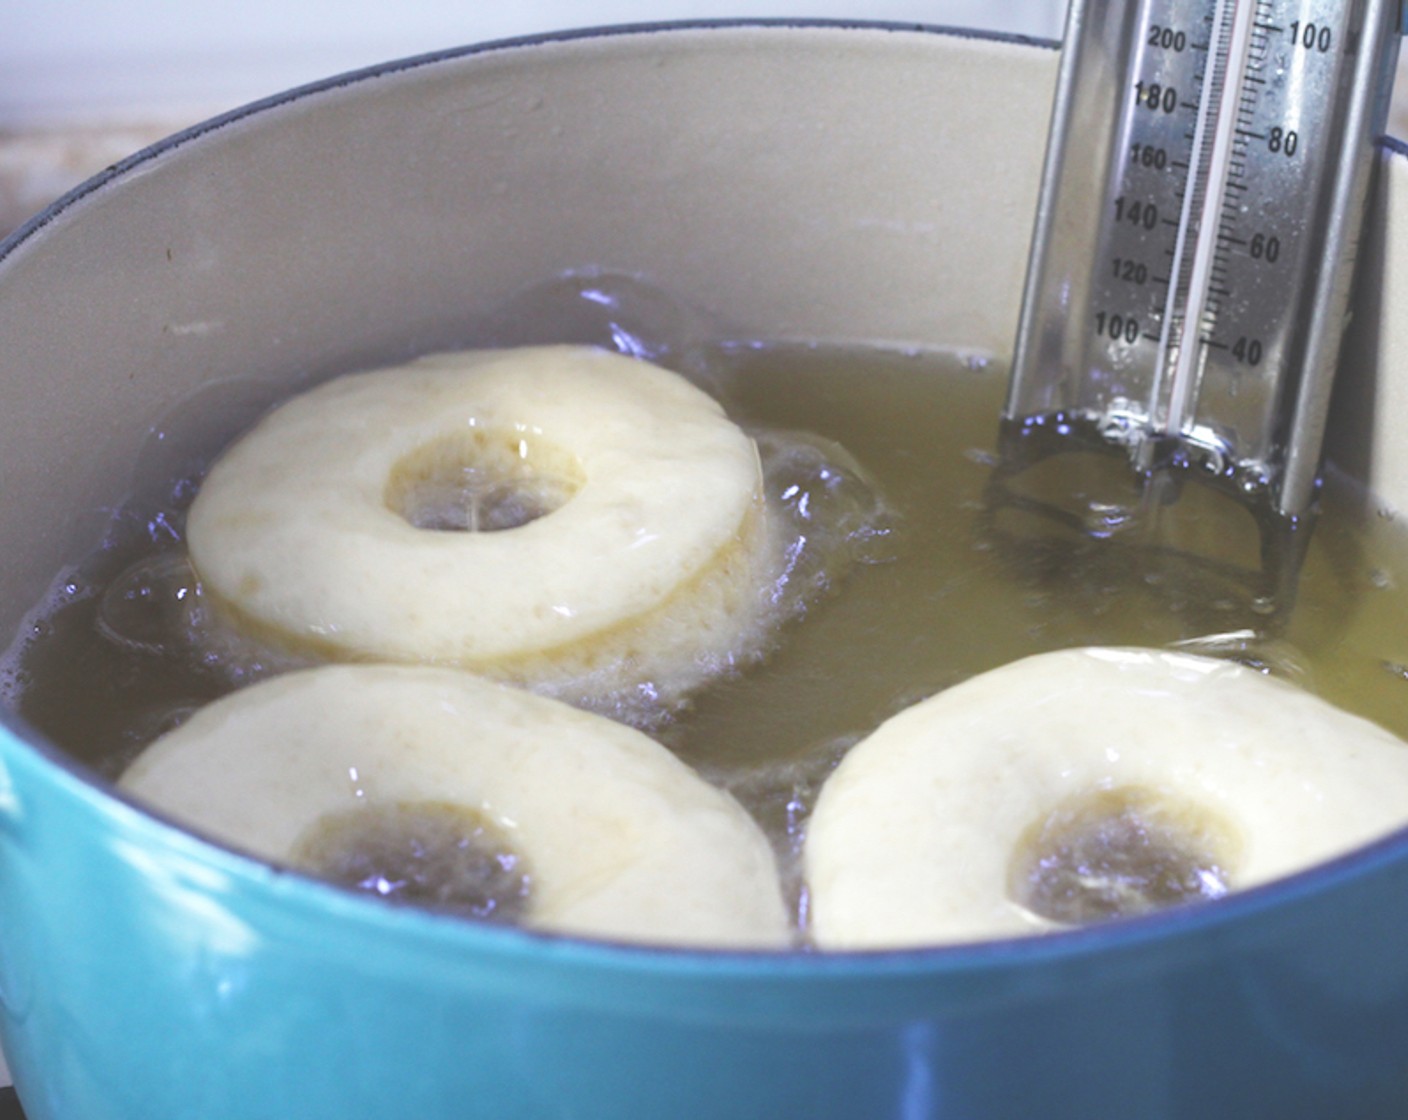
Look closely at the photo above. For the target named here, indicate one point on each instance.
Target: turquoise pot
(147, 973)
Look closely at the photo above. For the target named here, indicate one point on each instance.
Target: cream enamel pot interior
(799, 182)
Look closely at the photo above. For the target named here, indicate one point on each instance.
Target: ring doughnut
(632, 538)
(620, 839)
(952, 820)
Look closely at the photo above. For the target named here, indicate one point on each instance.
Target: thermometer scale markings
(1234, 43)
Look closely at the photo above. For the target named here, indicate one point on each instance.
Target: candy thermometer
(1204, 188)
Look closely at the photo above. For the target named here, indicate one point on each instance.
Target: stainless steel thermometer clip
(1204, 187)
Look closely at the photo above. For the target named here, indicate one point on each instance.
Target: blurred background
(86, 82)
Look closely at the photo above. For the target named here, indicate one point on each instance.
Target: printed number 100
(1120, 328)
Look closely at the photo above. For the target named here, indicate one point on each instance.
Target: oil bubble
(151, 606)
(1274, 657)
(615, 311)
(832, 513)
(1395, 669)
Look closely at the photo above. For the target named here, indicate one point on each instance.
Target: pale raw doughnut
(648, 576)
(621, 839)
(913, 835)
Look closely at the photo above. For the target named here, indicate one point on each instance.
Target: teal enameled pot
(797, 181)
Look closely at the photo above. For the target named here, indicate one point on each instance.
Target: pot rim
(22, 745)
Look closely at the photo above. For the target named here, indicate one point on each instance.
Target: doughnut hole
(482, 481)
(1119, 852)
(423, 853)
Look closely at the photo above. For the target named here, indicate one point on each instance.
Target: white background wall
(90, 59)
